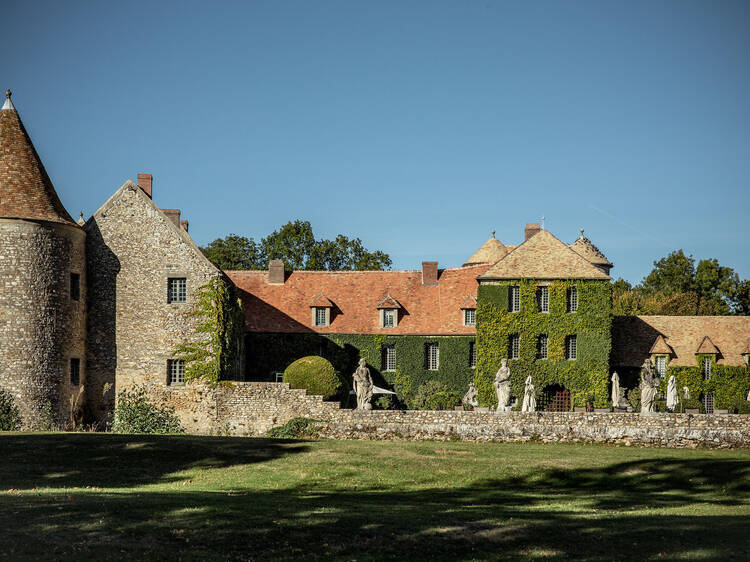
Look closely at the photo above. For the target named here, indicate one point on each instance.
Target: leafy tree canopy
(296, 245)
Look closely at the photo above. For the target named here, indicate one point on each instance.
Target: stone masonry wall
(132, 250)
(247, 408)
(41, 327)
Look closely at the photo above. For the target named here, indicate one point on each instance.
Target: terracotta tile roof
(633, 337)
(661, 346)
(489, 252)
(586, 248)
(26, 191)
(388, 302)
(543, 257)
(469, 302)
(433, 310)
(321, 301)
(707, 346)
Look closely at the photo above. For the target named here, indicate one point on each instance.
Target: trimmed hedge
(315, 374)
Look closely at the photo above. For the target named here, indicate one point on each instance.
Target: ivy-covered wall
(729, 384)
(586, 377)
(268, 353)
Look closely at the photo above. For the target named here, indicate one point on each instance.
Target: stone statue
(616, 390)
(529, 400)
(672, 397)
(470, 398)
(686, 393)
(502, 386)
(649, 382)
(363, 386)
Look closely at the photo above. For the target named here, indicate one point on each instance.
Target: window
(389, 358)
(513, 345)
(472, 354)
(75, 286)
(470, 317)
(176, 289)
(320, 316)
(176, 371)
(661, 365)
(75, 371)
(389, 317)
(542, 299)
(571, 350)
(708, 403)
(541, 347)
(432, 356)
(573, 299)
(706, 368)
(514, 299)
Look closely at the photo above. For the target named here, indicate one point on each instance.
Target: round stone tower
(42, 285)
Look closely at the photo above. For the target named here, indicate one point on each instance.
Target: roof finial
(8, 93)
(493, 233)
(581, 234)
(542, 223)
(8, 104)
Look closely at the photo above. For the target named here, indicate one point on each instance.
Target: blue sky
(419, 127)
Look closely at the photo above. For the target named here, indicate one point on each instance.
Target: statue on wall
(502, 386)
(672, 397)
(649, 383)
(615, 390)
(363, 386)
(529, 400)
(470, 398)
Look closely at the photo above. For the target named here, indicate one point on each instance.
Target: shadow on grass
(592, 514)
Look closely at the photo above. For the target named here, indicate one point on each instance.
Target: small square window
(470, 317)
(176, 289)
(432, 356)
(75, 286)
(389, 358)
(176, 371)
(571, 348)
(389, 318)
(572, 299)
(514, 299)
(514, 342)
(541, 347)
(75, 371)
(472, 354)
(542, 299)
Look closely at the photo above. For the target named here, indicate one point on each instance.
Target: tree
(295, 244)
(671, 275)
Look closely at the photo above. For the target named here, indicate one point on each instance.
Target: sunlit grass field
(102, 496)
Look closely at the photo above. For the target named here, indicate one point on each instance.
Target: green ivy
(586, 377)
(217, 352)
(273, 352)
(728, 383)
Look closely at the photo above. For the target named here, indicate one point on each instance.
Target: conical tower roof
(26, 191)
(490, 252)
(586, 248)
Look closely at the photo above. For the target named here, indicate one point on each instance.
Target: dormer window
(321, 311)
(388, 308)
(389, 317)
(320, 316)
(470, 317)
(660, 362)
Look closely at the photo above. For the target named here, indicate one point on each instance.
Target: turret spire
(8, 104)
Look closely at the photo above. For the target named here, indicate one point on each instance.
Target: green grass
(83, 496)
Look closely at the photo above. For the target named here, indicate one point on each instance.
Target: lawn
(82, 496)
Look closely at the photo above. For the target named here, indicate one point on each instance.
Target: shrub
(425, 393)
(315, 374)
(10, 419)
(296, 428)
(443, 401)
(135, 413)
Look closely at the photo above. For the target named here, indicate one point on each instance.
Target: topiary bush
(315, 374)
(425, 393)
(10, 419)
(443, 401)
(135, 413)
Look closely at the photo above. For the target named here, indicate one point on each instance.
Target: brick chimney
(531, 229)
(276, 272)
(184, 224)
(429, 273)
(144, 182)
(173, 215)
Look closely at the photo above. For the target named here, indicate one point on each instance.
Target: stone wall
(251, 408)
(41, 327)
(132, 249)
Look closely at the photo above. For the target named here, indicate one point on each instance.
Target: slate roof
(634, 336)
(425, 309)
(26, 191)
(543, 257)
(489, 252)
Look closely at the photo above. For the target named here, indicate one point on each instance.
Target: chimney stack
(531, 229)
(185, 224)
(276, 272)
(429, 273)
(173, 215)
(144, 182)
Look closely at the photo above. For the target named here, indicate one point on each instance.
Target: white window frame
(514, 346)
(389, 357)
(175, 372)
(325, 318)
(571, 347)
(543, 299)
(572, 299)
(432, 356)
(660, 365)
(514, 298)
(472, 354)
(388, 316)
(542, 350)
(470, 317)
(176, 290)
(706, 368)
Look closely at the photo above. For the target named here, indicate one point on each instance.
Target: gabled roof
(543, 257)
(634, 336)
(388, 302)
(321, 301)
(26, 191)
(661, 347)
(469, 302)
(586, 248)
(489, 252)
(707, 346)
